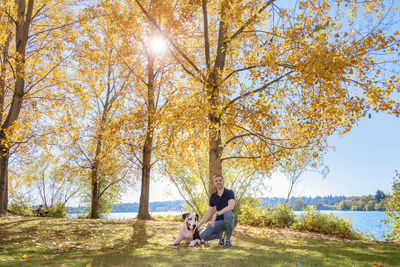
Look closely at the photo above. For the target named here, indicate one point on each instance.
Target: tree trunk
(144, 213)
(215, 148)
(22, 26)
(214, 153)
(94, 209)
(3, 180)
(4, 157)
(94, 212)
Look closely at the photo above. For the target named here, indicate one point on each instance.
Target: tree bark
(214, 116)
(94, 208)
(4, 179)
(144, 213)
(215, 150)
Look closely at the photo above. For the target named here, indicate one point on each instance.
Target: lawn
(32, 241)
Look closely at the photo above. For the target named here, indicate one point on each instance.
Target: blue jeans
(227, 225)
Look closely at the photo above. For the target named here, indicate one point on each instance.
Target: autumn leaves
(241, 85)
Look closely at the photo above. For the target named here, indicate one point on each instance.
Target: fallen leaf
(89, 264)
(25, 256)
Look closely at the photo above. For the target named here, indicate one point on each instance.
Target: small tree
(295, 166)
(56, 182)
(379, 196)
(392, 203)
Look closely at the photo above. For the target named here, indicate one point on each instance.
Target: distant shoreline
(354, 203)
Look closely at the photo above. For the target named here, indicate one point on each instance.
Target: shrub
(200, 206)
(252, 214)
(282, 216)
(329, 224)
(58, 210)
(392, 204)
(21, 204)
(168, 217)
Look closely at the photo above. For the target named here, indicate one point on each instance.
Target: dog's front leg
(195, 242)
(176, 242)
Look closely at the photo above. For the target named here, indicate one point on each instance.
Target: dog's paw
(172, 244)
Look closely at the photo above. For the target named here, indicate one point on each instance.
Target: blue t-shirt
(221, 202)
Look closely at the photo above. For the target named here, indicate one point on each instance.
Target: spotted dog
(189, 231)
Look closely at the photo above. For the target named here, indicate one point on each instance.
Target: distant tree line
(363, 203)
(176, 205)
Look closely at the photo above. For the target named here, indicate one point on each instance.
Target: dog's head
(191, 219)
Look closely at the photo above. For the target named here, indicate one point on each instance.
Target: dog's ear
(184, 216)
(197, 217)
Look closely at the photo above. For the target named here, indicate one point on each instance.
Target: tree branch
(48, 73)
(184, 68)
(240, 157)
(175, 46)
(235, 71)
(206, 40)
(254, 91)
(251, 20)
(37, 12)
(238, 136)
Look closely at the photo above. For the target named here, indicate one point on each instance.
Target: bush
(21, 204)
(392, 204)
(252, 214)
(200, 207)
(329, 224)
(58, 210)
(282, 216)
(168, 217)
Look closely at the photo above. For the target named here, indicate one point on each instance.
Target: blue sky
(364, 161)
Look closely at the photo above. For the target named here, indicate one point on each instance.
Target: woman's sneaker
(221, 242)
(228, 244)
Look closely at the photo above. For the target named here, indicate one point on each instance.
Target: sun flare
(158, 45)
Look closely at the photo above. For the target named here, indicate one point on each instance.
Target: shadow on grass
(15, 223)
(336, 251)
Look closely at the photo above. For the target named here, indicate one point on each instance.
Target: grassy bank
(29, 241)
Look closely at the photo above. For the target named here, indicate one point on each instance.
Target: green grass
(29, 241)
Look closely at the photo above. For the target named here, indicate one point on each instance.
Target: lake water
(367, 222)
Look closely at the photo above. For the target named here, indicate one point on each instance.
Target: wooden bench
(40, 212)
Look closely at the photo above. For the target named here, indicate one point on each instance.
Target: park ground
(33, 241)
